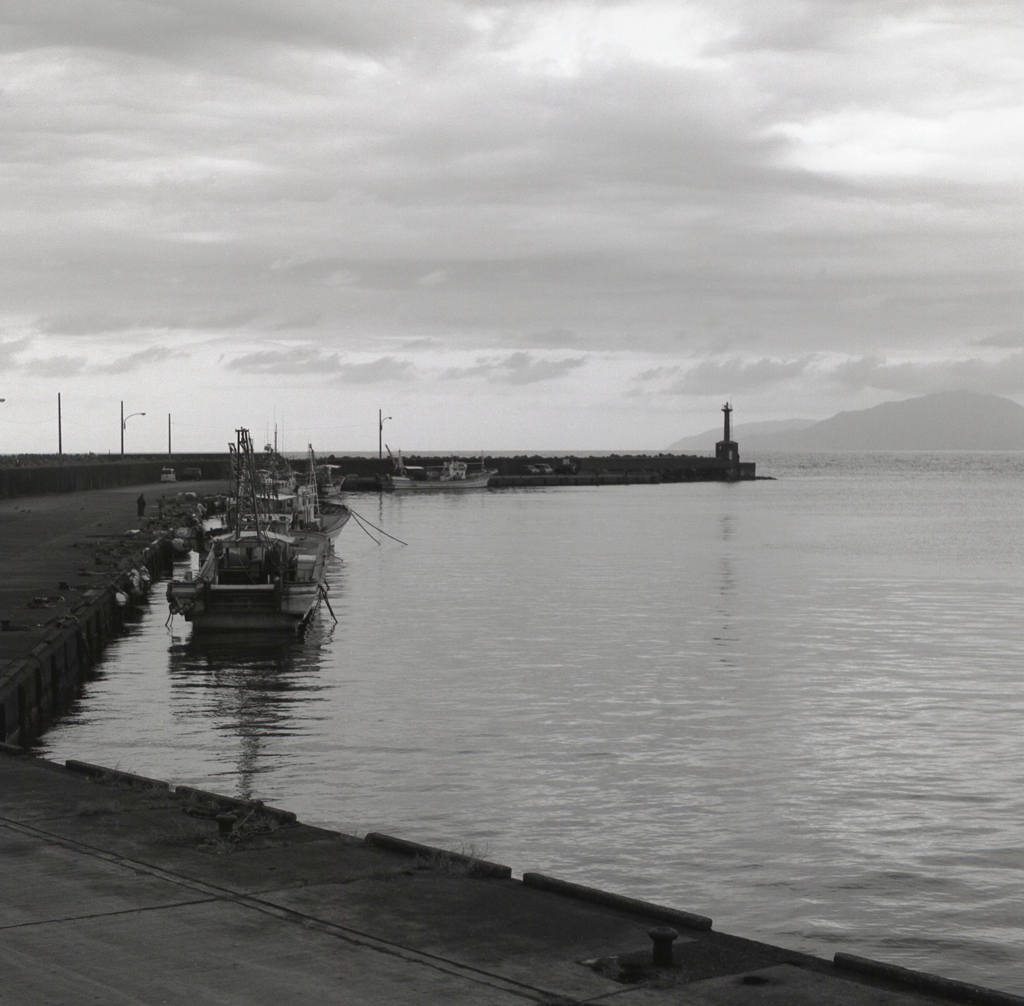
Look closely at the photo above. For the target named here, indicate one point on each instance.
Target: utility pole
(60, 431)
(124, 419)
(168, 435)
(381, 420)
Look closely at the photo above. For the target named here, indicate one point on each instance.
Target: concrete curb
(481, 867)
(201, 796)
(234, 803)
(961, 991)
(685, 919)
(115, 775)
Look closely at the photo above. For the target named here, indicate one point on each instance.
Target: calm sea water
(793, 705)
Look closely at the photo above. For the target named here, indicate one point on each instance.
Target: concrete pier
(121, 890)
(64, 558)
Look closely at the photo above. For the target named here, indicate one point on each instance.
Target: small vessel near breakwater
(266, 569)
(452, 475)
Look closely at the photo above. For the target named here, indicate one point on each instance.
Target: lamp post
(124, 420)
(381, 420)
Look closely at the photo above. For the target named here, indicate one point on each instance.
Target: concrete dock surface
(120, 890)
(55, 549)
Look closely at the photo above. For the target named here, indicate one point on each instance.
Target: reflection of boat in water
(452, 474)
(268, 570)
(241, 693)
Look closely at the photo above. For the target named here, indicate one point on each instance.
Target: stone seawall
(37, 686)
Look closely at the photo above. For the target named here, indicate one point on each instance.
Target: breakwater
(38, 475)
(363, 473)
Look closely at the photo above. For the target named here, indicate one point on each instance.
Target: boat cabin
(249, 563)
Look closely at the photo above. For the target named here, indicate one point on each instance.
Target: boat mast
(311, 482)
(247, 483)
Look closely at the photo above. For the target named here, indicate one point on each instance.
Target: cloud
(655, 374)
(135, 361)
(83, 323)
(307, 320)
(9, 349)
(517, 368)
(997, 376)
(179, 29)
(387, 368)
(788, 183)
(714, 377)
(102, 322)
(56, 366)
(552, 338)
(1011, 338)
(298, 360)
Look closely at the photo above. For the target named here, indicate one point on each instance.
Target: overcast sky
(533, 225)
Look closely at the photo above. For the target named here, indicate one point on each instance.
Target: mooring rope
(360, 517)
(323, 597)
(363, 529)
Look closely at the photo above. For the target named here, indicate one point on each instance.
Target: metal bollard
(225, 824)
(662, 937)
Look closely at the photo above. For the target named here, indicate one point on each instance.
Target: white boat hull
(270, 601)
(402, 484)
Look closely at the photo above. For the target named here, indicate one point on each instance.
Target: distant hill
(743, 431)
(944, 421)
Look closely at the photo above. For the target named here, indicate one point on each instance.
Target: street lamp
(124, 420)
(381, 420)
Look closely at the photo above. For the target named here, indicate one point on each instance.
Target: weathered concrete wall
(37, 687)
(36, 480)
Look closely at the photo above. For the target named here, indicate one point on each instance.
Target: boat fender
(121, 599)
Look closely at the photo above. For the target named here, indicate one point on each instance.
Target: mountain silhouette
(944, 421)
(740, 432)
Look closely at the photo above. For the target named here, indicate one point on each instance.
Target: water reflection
(254, 687)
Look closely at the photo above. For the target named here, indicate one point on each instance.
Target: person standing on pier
(141, 503)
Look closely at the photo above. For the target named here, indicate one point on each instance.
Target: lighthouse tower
(727, 449)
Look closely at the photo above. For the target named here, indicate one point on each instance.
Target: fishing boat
(267, 569)
(330, 514)
(452, 475)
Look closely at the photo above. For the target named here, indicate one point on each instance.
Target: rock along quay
(119, 889)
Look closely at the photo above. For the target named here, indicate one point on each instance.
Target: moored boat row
(266, 568)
